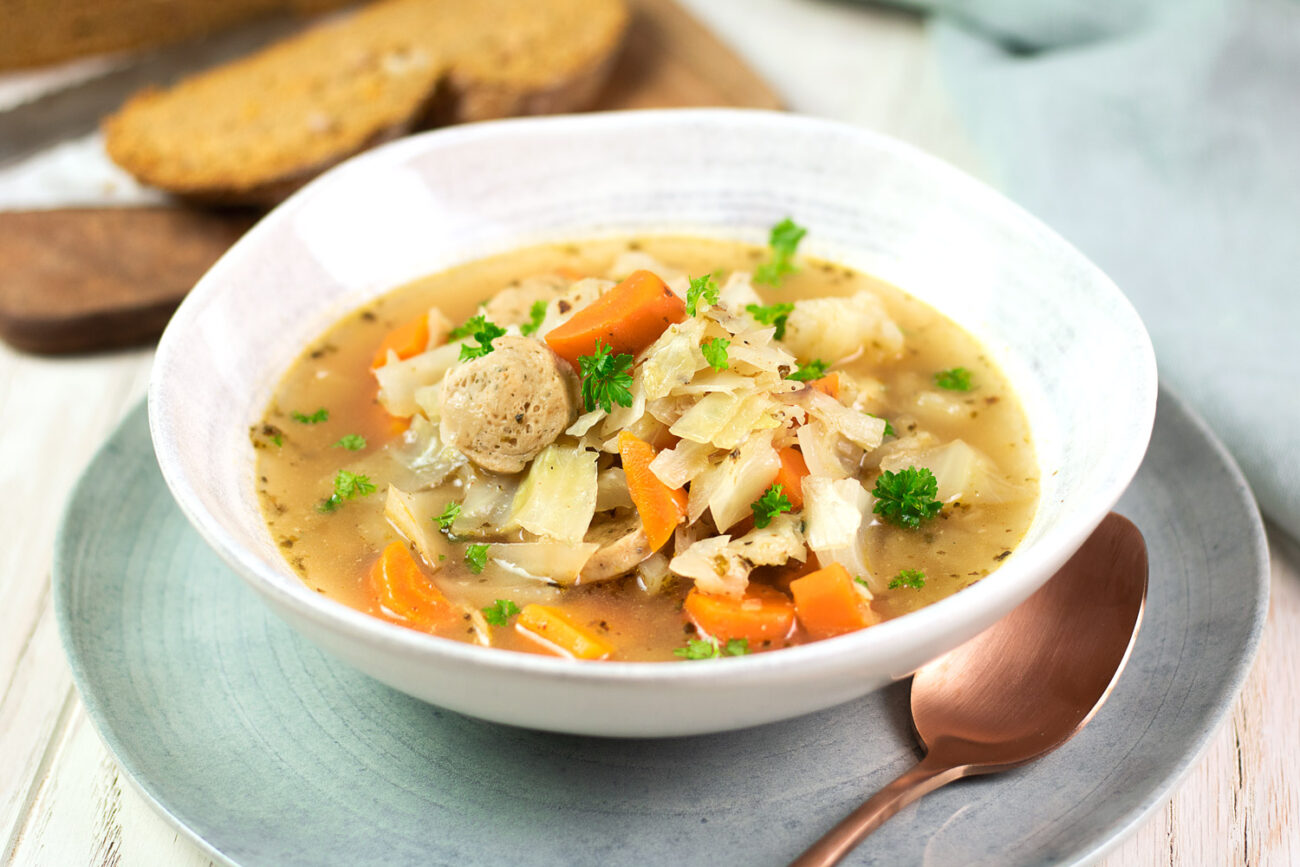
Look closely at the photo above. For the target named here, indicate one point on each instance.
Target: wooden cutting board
(89, 279)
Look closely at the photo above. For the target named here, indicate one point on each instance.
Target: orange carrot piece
(827, 604)
(790, 476)
(762, 614)
(402, 590)
(828, 385)
(661, 508)
(568, 272)
(408, 339)
(628, 318)
(557, 631)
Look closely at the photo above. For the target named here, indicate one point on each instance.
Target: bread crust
(255, 130)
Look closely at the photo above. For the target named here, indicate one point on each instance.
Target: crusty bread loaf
(35, 32)
(256, 129)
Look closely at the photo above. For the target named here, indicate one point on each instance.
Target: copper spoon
(1021, 688)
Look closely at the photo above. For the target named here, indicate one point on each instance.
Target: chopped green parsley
(708, 648)
(701, 289)
(449, 515)
(772, 503)
(347, 486)
(956, 379)
(907, 497)
(772, 314)
(913, 578)
(351, 442)
(500, 611)
(814, 369)
(481, 330)
(606, 379)
(783, 241)
(715, 352)
(535, 317)
(317, 417)
(476, 558)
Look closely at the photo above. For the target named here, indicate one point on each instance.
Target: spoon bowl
(1021, 688)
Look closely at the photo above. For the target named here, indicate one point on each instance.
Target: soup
(657, 448)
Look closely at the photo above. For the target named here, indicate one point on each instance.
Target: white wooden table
(63, 800)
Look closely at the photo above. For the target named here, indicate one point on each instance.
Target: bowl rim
(847, 650)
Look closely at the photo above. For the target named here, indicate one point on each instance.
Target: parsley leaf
(772, 503)
(863, 581)
(814, 369)
(347, 486)
(481, 330)
(449, 514)
(698, 648)
(535, 317)
(907, 497)
(606, 379)
(701, 288)
(317, 417)
(784, 240)
(889, 428)
(957, 379)
(772, 314)
(715, 352)
(500, 611)
(476, 558)
(709, 648)
(351, 442)
(277, 439)
(913, 578)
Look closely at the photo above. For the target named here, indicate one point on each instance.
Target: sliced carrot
(402, 590)
(828, 385)
(568, 272)
(557, 631)
(408, 339)
(762, 614)
(827, 604)
(661, 508)
(627, 318)
(790, 476)
(398, 425)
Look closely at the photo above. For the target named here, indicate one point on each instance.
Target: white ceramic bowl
(1070, 342)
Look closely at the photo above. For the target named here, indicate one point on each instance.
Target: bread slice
(47, 31)
(254, 130)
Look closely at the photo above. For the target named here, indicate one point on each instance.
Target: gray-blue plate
(265, 751)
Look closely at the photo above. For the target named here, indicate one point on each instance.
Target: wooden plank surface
(62, 800)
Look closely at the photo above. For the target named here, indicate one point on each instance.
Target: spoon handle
(921, 779)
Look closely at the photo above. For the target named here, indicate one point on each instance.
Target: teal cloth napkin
(1162, 137)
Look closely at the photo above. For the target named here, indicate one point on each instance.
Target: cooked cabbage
(557, 498)
(962, 472)
(652, 573)
(818, 445)
(773, 545)
(835, 328)
(422, 451)
(672, 360)
(681, 463)
(558, 562)
(714, 567)
(611, 490)
(835, 511)
(486, 504)
(399, 380)
(738, 480)
(413, 516)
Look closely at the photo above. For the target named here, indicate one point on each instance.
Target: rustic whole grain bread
(254, 130)
(35, 32)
